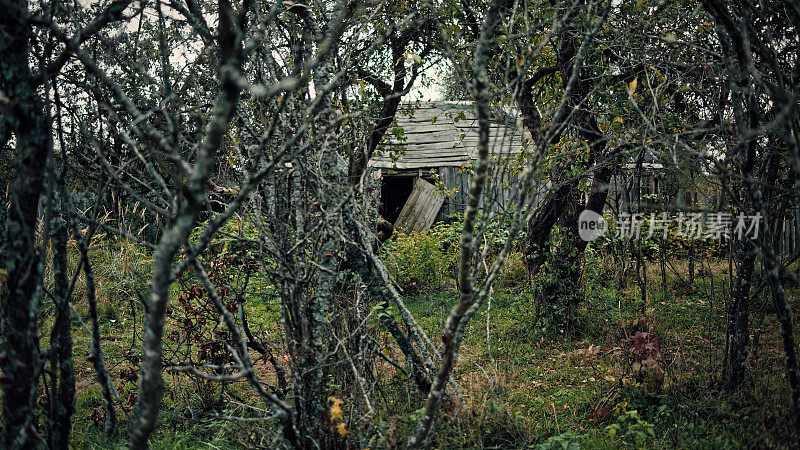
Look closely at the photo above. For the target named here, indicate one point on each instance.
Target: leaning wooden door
(421, 208)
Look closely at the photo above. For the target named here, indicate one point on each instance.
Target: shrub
(424, 260)
(120, 270)
(514, 274)
(675, 244)
(630, 425)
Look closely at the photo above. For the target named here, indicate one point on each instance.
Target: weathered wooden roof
(442, 134)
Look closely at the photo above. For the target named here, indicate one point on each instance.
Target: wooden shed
(638, 180)
(435, 141)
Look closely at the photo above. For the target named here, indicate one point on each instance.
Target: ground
(520, 389)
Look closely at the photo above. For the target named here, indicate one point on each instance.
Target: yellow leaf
(618, 119)
(336, 409)
(632, 85)
(3, 276)
(340, 429)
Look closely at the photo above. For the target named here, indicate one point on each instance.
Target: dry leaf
(336, 409)
(632, 85)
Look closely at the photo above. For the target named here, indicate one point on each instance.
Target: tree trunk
(19, 358)
(563, 198)
(62, 400)
(738, 326)
(784, 311)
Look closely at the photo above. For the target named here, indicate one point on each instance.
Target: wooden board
(421, 208)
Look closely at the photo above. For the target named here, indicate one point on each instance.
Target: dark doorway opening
(395, 191)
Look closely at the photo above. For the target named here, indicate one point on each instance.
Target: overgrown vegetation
(192, 253)
(633, 379)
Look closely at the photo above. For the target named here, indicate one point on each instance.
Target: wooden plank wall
(791, 234)
(459, 183)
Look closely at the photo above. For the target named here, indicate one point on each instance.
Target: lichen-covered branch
(454, 332)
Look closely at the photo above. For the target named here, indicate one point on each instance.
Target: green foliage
(119, 268)
(232, 237)
(428, 260)
(556, 285)
(425, 260)
(564, 441)
(601, 293)
(498, 231)
(232, 252)
(513, 276)
(531, 382)
(629, 424)
(676, 243)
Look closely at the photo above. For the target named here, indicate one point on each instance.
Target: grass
(525, 389)
(522, 389)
